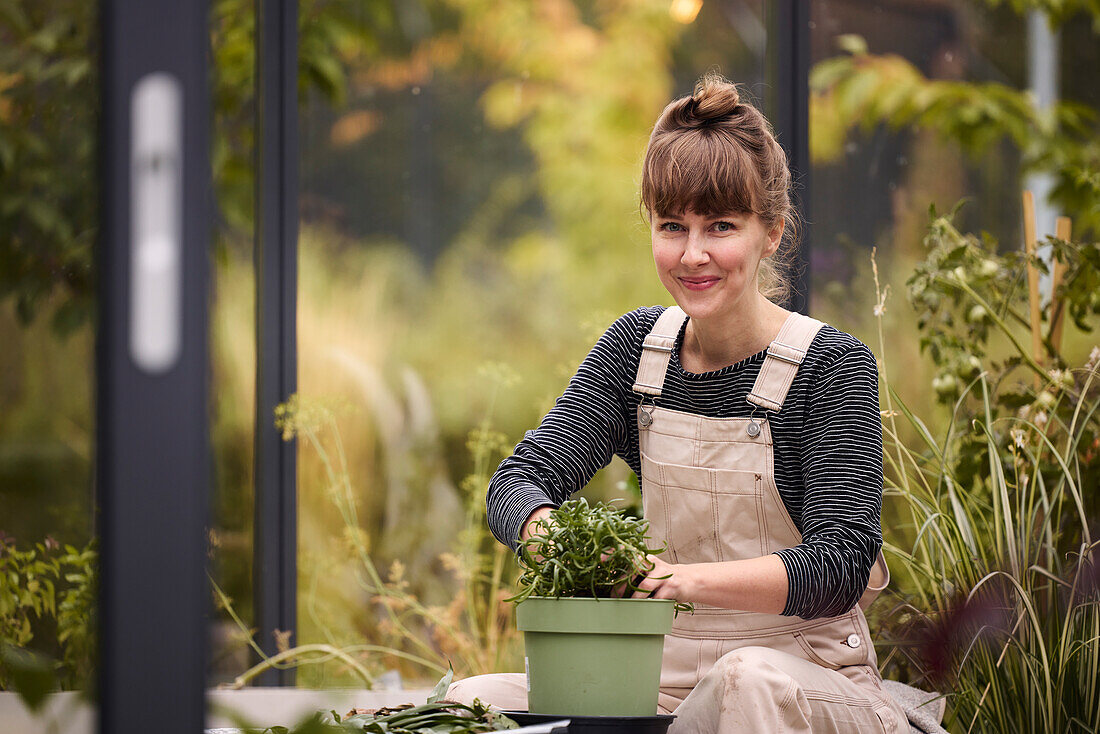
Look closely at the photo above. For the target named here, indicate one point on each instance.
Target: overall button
(853, 640)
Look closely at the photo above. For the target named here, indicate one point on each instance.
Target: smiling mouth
(698, 284)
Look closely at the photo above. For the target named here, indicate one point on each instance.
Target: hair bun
(715, 99)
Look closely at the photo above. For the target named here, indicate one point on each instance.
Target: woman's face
(709, 264)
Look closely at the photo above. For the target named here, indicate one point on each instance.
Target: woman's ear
(775, 237)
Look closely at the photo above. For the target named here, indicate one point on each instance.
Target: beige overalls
(709, 493)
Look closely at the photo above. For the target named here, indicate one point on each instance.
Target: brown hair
(711, 153)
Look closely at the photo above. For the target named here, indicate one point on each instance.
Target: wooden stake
(1062, 231)
(1033, 280)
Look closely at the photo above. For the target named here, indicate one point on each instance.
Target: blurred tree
(861, 90)
(583, 82)
(47, 172)
(1057, 10)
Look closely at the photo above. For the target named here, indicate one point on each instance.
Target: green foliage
(997, 585)
(76, 626)
(863, 90)
(47, 601)
(990, 524)
(584, 88)
(473, 631)
(49, 97)
(995, 610)
(437, 715)
(332, 35)
(47, 134)
(31, 675)
(443, 717)
(1056, 11)
(583, 550)
(973, 314)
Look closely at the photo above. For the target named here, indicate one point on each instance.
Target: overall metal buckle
(753, 428)
(645, 417)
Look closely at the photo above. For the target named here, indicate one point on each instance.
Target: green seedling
(589, 551)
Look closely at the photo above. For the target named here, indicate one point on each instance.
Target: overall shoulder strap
(785, 354)
(657, 351)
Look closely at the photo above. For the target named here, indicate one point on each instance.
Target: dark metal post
(276, 518)
(152, 451)
(789, 112)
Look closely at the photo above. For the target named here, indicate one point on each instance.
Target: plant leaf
(32, 675)
(440, 690)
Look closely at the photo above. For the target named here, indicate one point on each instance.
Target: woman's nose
(695, 251)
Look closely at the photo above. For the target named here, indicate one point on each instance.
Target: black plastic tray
(599, 724)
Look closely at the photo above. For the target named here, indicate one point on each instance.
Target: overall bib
(709, 493)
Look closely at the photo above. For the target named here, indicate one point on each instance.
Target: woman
(756, 435)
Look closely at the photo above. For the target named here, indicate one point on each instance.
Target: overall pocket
(834, 645)
(704, 515)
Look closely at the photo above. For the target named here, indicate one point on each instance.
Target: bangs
(703, 170)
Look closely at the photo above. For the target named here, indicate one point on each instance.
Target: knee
(467, 689)
(747, 690)
(752, 669)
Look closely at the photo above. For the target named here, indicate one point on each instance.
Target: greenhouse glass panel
(49, 106)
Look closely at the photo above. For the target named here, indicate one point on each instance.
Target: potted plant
(588, 650)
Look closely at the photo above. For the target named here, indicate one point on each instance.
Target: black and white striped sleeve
(578, 437)
(841, 467)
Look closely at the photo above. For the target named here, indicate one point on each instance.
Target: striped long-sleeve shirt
(828, 450)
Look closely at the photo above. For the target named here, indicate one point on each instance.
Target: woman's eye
(672, 227)
(723, 226)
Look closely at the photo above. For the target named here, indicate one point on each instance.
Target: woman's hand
(665, 581)
(537, 523)
(751, 584)
(537, 518)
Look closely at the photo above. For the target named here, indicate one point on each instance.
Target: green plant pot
(594, 657)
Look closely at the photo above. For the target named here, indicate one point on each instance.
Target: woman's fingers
(649, 588)
(537, 522)
(660, 582)
(657, 583)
